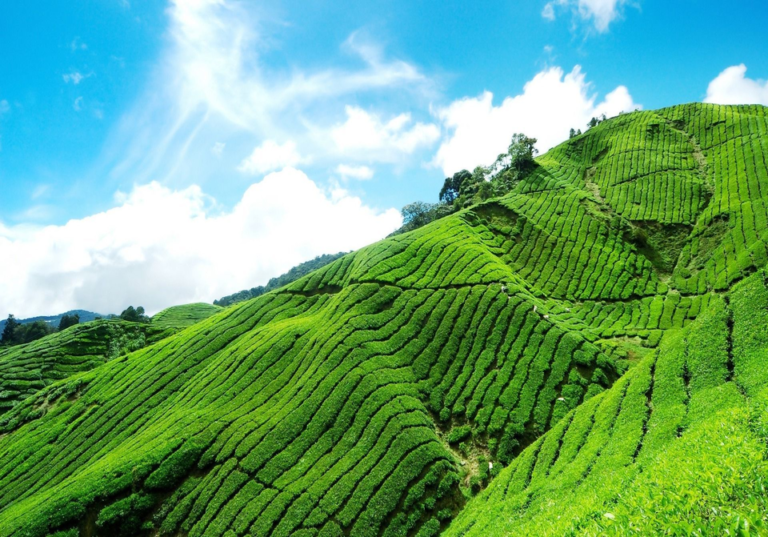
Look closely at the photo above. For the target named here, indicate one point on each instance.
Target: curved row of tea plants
(677, 446)
(376, 395)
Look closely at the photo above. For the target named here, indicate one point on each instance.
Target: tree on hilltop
(135, 315)
(69, 320)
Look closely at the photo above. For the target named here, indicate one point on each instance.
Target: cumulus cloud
(366, 135)
(600, 13)
(733, 87)
(361, 173)
(551, 104)
(159, 247)
(270, 156)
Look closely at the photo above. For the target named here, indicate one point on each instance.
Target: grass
(567, 346)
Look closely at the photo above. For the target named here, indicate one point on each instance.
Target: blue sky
(111, 107)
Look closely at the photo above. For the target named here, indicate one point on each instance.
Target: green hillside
(599, 330)
(677, 446)
(26, 369)
(184, 316)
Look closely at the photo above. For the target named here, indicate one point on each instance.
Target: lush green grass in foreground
(676, 447)
(578, 347)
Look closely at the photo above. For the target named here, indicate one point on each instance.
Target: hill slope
(26, 369)
(183, 316)
(677, 446)
(370, 396)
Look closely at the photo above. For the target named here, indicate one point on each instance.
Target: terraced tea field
(550, 345)
(184, 316)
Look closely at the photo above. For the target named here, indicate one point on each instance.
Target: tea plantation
(586, 355)
(183, 316)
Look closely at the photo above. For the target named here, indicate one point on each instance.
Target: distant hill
(586, 355)
(275, 283)
(184, 316)
(53, 320)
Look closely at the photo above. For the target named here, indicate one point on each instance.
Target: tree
(521, 152)
(452, 186)
(9, 332)
(595, 121)
(514, 165)
(27, 333)
(68, 320)
(135, 315)
(417, 214)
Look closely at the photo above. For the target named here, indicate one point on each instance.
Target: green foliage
(291, 276)
(595, 334)
(134, 315)
(9, 331)
(68, 320)
(15, 333)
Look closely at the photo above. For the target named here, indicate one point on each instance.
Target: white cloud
(218, 149)
(366, 135)
(551, 104)
(213, 83)
(270, 156)
(160, 247)
(361, 173)
(75, 77)
(601, 13)
(733, 87)
(78, 104)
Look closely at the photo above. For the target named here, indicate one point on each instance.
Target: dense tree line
(15, 333)
(274, 283)
(18, 333)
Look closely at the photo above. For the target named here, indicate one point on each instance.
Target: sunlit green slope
(373, 396)
(184, 316)
(676, 447)
(25, 369)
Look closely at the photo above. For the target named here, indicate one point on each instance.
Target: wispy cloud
(361, 173)
(217, 149)
(4, 107)
(599, 13)
(75, 77)
(271, 156)
(40, 191)
(214, 85)
(78, 104)
(77, 44)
